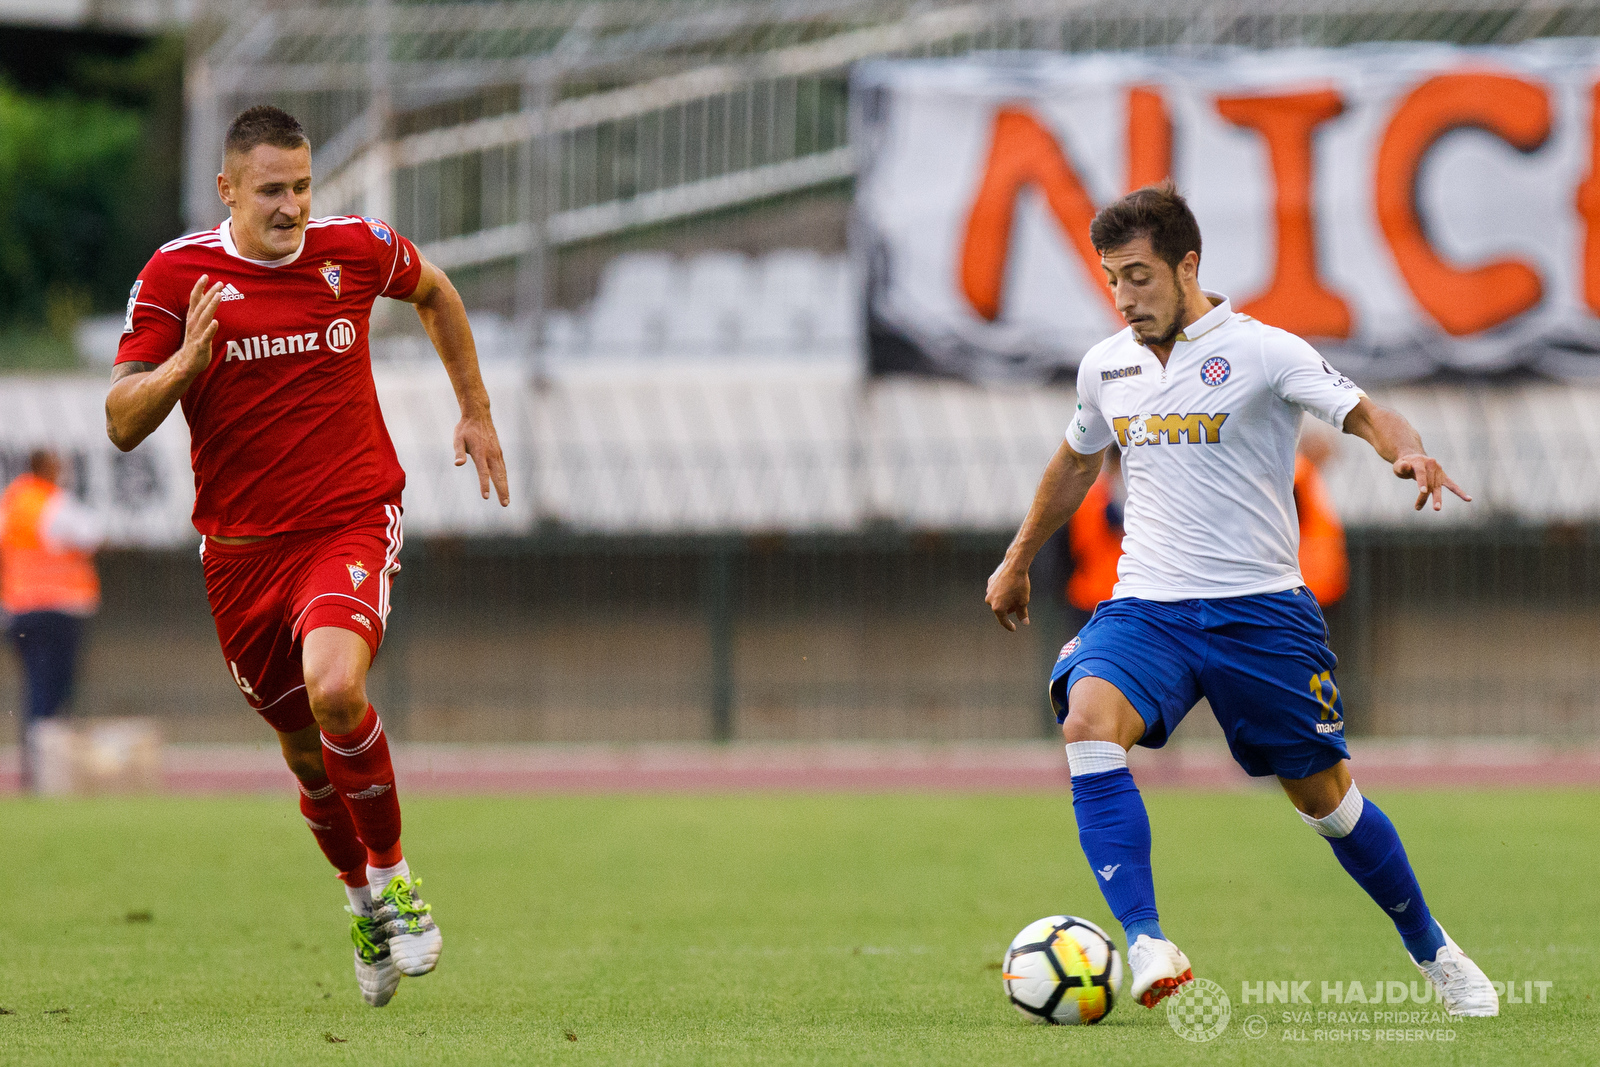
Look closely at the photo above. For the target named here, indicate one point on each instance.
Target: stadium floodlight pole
(534, 173)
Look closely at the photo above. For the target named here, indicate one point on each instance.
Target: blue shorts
(1262, 661)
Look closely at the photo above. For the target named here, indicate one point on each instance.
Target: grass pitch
(758, 929)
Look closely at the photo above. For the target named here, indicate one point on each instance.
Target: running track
(863, 767)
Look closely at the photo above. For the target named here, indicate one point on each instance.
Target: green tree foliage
(89, 179)
(64, 164)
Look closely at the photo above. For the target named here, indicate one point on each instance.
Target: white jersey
(1208, 446)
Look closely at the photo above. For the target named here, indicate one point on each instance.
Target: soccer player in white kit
(1206, 404)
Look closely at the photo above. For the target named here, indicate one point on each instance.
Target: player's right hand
(1430, 478)
(1008, 594)
(200, 325)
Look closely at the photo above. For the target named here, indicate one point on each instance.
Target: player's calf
(1114, 831)
(1369, 848)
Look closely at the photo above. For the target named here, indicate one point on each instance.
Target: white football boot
(1463, 987)
(413, 937)
(376, 973)
(1159, 969)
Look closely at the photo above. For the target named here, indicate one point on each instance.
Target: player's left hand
(475, 437)
(1430, 478)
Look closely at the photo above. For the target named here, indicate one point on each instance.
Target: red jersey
(284, 426)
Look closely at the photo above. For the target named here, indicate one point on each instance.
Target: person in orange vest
(1094, 538)
(1324, 563)
(48, 587)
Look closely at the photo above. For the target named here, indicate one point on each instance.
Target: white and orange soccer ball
(1064, 970)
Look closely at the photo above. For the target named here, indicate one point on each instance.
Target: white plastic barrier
(683, 447)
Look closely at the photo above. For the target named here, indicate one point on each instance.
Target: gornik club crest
(331, 272)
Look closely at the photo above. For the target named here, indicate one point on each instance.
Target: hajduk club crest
(331, 272)
(358, 574)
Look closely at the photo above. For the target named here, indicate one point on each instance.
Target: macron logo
(230, 293)
(1400, 908)
(1108, 870)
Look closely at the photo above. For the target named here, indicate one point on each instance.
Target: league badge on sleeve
(358, 574)
(379, 229)
(1215, 371)
(133, 298)
(331, 272)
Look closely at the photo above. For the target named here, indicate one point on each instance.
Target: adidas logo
(230, 293)
(370, 792)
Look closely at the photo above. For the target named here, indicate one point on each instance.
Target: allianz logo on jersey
(340, 335)
(1171, 429)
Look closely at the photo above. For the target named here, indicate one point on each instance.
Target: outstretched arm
(1397, 441)
(444, 316)
(142, 395)
(1066, 482)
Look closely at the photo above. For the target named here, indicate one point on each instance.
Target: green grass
(749, 929)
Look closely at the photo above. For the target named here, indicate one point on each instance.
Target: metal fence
(554, 638)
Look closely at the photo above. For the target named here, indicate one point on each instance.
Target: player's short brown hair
(1158, 212)
(263, 124)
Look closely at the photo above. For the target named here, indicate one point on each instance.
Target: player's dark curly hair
(264, 124)
(1158, 212)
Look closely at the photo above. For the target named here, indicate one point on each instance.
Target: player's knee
(1086, 726)
(338, 696)
(1097, 711)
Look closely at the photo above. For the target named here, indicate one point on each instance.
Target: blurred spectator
(1323, 562)
(48, 587)
(1094, 538)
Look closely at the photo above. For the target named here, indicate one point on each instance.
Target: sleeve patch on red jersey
(379, 229)
(133, 298)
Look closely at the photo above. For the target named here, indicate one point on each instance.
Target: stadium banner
(1412, 209)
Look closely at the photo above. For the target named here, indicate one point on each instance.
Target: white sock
(360, 899)
(1343, 818)
(1095, 757)
(380, 877)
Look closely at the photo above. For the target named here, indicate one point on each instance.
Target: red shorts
(267, 595)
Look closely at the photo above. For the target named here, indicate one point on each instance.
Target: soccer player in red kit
(259, 328)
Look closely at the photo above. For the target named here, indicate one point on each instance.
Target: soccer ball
(1062, 970)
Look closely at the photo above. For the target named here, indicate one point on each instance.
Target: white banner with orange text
(1412, 209)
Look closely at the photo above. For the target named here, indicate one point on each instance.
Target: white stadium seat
(788, 304)
(629, 315)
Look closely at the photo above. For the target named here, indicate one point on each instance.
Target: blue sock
(1375, 858)
(1115, 834)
